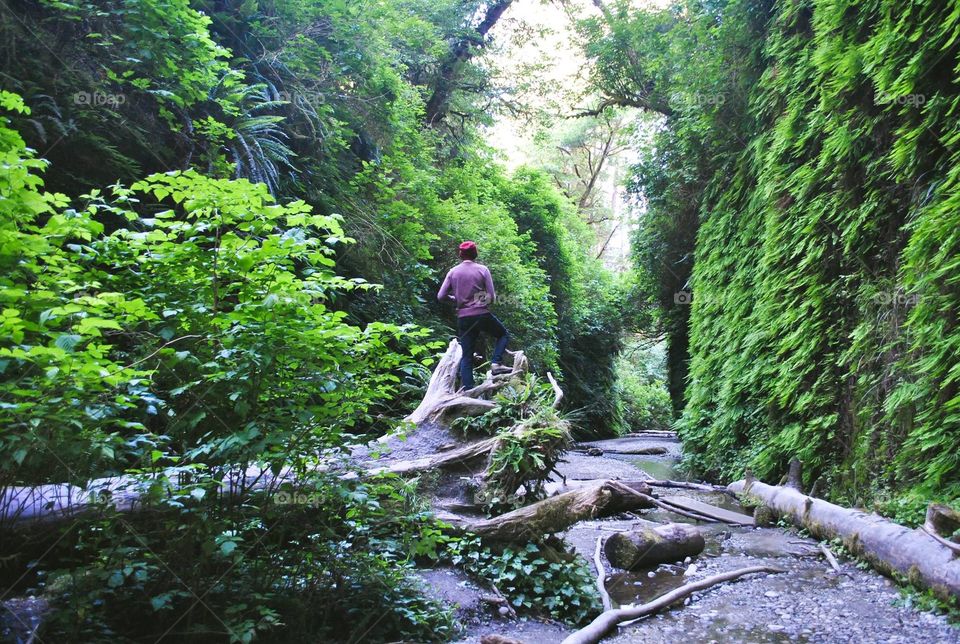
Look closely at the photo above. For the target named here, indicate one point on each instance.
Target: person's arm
(488, 279)
(444, 293)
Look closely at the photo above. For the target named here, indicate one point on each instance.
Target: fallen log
(686, 485)
(555, 514)
(53, 502)
(646, 547)
(607, 620)
(706, 510)
(654, 450)
(459, 457)
(652, 433)
(891, 548)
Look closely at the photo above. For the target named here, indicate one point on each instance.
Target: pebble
(771, 594)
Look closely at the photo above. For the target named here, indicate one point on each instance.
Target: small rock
(771, 593)
(775, 627)
(692, 569)
(687, 560)
(594, 451)
(498, 639)
(651, 574)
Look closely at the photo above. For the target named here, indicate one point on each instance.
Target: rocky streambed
(811, 602)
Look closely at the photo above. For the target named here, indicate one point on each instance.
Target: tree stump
(443, 401)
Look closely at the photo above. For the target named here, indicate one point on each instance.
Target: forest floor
(809, 603)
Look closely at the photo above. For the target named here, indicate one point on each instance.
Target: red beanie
(468, 250)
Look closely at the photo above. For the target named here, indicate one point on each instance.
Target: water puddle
(722, 629)
(664, 469)
(637, 587)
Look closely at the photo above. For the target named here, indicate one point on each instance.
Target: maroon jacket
(470, 285)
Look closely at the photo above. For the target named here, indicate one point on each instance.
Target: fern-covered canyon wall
(804, 173)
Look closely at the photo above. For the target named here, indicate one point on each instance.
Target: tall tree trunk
(460, 52)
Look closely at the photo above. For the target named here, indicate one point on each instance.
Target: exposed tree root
(443, 402)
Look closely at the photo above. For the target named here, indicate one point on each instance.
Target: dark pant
(468, 329)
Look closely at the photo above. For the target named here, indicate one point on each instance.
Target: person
(470, 286)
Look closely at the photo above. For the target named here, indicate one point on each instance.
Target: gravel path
(808, 603)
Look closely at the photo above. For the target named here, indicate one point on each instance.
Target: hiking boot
(496, 369)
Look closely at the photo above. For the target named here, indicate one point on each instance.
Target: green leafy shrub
(641, 389)
(535, 577)
(532, 437)
(335, 567)
(195, 349)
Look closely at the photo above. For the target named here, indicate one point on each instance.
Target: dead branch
(684, 485)
(607, 620)
(709, 511)
(442, 402)
(557, 391)
(601, 575)
(829, 557)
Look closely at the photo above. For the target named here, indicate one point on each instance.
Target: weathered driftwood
(557, 513)
(890, 547)
(443, 402)
(601, 576)
(609, 619)
(645, 547)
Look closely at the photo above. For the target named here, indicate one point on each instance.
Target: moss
(854, 545)
(764, 516)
